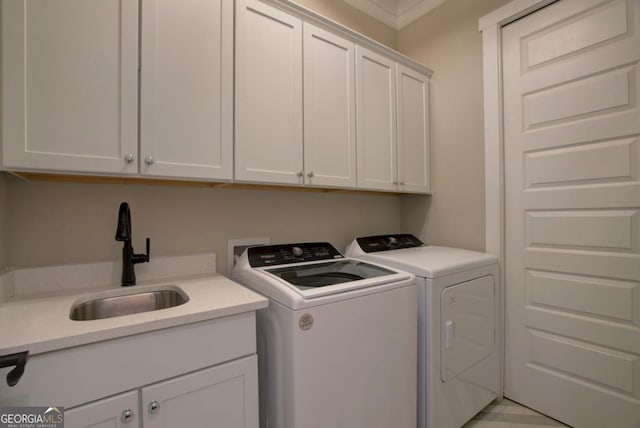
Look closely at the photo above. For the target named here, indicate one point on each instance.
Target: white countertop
(40, 322)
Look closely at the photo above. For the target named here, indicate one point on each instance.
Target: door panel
(268, 109)
(220, 396)
(467, 325)
(376, 121)
(107, 413)
(70, 85)
(572, 192)
(329, 109)
(187, 89)
(413, 130)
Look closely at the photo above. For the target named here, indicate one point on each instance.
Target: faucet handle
(142, 258)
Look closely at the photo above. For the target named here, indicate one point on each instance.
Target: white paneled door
(572, 192)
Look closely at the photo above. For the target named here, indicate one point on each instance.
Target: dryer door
(467, 325)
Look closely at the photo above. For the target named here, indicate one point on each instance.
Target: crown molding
(414, 12)
(375, 11)
(397, 19)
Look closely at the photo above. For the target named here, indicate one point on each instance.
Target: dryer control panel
(372, 244)
(270, 255)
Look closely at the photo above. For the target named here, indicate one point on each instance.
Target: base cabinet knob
(154, 407)
(127, 416)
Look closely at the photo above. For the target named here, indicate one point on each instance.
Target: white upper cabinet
(376, 118)
(187, 89)
(329, 109)
(268, 102)
(413, 130)
(90, 87)
(70, 85)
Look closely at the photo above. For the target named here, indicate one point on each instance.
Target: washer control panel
(372, 244)
(270, 255)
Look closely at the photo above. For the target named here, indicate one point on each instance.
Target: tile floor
(507, 414)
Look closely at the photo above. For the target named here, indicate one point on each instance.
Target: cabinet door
(413, 131)
(186, 89)
(268, 127)
(120, 411)
(221, 396)
(329, 109)
(70, 85)
(376, 118)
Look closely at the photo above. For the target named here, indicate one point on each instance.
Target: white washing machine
(458, 343)
(336, 346)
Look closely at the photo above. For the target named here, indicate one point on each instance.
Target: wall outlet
(236, 247)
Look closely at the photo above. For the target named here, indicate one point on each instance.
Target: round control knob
(393, 242)
(297, 251)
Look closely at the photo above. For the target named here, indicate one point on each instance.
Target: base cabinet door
(120, 411)
(222, 396)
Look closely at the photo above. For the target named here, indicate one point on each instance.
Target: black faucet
(123, 233)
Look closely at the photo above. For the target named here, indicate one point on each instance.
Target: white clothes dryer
(458, 353)
(336, 346)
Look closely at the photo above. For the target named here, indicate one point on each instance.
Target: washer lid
(431, 261)
(316, 275)
(310, 280)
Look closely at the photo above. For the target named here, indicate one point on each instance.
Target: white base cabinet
(220, 396)
(194, 375)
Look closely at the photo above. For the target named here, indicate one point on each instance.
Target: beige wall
(57, 223)
(353, 18)
(447, 40)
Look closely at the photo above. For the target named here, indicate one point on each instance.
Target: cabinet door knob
(129, 158)
(127, 416)
(300, 174)
(148, 160)
(154, 407)
(401, 183)
(310, 174)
